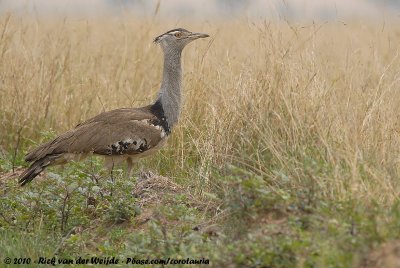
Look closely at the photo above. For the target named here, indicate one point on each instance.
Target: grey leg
(129, 167)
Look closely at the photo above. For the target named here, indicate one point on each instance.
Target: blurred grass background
(287, 148)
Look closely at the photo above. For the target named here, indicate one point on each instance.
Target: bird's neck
(170, 91)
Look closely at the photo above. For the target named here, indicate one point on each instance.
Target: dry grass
(387, 255)
(311, 104)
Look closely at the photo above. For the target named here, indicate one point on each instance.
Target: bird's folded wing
(117, 138)
(117, 132)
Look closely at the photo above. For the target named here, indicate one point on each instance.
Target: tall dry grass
(310, 105)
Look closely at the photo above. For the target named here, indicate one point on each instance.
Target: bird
(125, 134)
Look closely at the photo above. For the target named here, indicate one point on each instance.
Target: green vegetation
(286, 154)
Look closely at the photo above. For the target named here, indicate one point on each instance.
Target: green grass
(243, 223)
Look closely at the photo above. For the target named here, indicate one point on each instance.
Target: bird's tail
(36, 168)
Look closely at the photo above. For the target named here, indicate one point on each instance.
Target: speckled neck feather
(170, 91)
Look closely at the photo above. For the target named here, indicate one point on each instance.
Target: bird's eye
(178, 34)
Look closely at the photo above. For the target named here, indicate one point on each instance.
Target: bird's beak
(198, 35)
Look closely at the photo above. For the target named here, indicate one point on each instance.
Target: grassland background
(287, 148)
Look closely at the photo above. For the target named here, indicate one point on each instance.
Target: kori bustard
(125, 134)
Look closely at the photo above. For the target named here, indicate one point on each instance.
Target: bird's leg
(112, 178)
(94, 177)
(112, 172)
(129, 167)
(109, 164)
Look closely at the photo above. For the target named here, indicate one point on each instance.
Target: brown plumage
(122, 134)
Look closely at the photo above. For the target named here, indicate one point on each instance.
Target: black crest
(157, 39)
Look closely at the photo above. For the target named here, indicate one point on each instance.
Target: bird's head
(177, 39)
